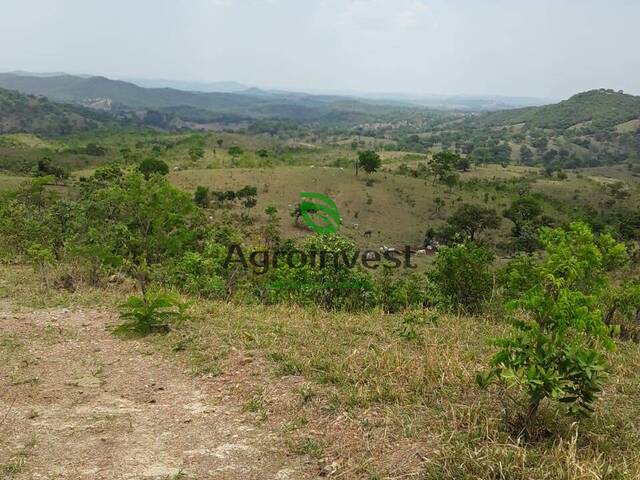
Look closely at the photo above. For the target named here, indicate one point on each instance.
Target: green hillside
(603, 108)
(30, 114)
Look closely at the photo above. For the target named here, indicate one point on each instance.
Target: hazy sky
(547, 48)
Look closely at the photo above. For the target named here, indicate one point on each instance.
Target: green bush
(201, 273)
(555, 351)
(332, 286)
(151, 166)
(461, 278)
(402, 292)
(137, 225)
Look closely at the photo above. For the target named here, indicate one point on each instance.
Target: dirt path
(76, 403)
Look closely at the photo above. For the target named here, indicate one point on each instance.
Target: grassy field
(8, 182)
(396, 209)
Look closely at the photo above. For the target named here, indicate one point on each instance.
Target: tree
(439, 204)
(450, 180)
(95, 150)
(154, 118)
(271, 229)
(474, 219)
(150, 166)
(442, 164)
(525, 213)
(554, 353)
(137, 224)
(46, 168)
(526, 155)
(524, 210)
(369, 161)
(463, 164)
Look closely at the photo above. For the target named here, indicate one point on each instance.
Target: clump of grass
(256, 406)
(9, 470)
(309, 446)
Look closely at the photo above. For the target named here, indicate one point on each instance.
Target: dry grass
(396, 209)
(9, 182)
(384, 407)
(348, 392)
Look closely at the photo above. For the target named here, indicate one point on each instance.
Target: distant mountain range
(159, 93)
(250, 104)
(222, 87)
(464, 103)
(598, 108)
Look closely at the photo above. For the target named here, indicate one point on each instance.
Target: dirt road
(77, 403)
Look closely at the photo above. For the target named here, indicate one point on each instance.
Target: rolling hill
(601, 108)
(32, 114)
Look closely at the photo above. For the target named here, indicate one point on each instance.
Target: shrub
(403, 292)
(472, 220)
(369, 161)
(137, 225)
(411, 323)
(46, 168)
(201, 196)
(461, 278)
(201, 273)
(333, 285)
(235, 151)
(554, 352)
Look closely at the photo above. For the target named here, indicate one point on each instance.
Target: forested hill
(599, 108)
(32, 114)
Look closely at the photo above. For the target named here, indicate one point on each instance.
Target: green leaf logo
(323, 209)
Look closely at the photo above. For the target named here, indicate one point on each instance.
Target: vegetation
(554, 353)
(376, 329)
(369, 161)
(148, 314)
(22, 113)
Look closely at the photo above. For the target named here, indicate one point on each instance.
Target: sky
(542, 48)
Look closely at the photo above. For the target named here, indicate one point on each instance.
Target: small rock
(89, 382)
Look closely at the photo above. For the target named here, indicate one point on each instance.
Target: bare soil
(77, 403)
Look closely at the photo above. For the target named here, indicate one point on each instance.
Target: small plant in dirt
(555, 352)
(152, 313)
